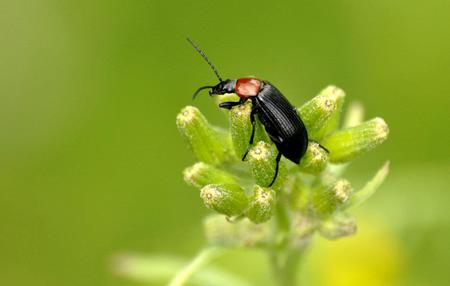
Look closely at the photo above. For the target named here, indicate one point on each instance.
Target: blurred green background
(91, 159)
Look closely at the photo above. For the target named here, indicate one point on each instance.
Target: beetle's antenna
(205, 57)
(200, 89)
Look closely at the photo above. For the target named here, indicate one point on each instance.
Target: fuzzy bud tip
(186, 115)
(260, 152)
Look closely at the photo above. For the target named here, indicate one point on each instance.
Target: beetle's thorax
(247, 87)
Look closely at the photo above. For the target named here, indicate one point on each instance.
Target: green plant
(305, 199)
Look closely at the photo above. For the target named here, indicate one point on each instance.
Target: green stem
(284, 260)
(204, 257)
(284, 266)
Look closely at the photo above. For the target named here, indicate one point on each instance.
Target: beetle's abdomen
(282, 123)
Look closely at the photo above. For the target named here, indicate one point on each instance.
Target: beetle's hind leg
(277, 160)
(321, 146)
(253, 121)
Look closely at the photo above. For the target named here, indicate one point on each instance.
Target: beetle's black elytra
(280, 119)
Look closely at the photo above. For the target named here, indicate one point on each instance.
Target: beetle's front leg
(229, 104)
(253, 121)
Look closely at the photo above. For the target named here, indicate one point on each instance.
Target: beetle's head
(225, 86)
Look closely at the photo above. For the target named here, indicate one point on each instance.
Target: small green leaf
(371, 186)
(227, 199)
(346, 144)
(262, 204)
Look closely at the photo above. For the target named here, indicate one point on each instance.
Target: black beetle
(280, 119)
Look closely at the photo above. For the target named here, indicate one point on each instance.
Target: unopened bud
(201, 174)
(227, 199)
(315, 159)
(262, 205)
(338, 226)
(241, 128)
(338, 96)
(327, 199)
(201, 137)
(316, 112)
(322, 113)
(262, 159)
(346, 144)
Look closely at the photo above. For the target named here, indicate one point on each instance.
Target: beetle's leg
(253, 121)
(326, 150)
(277, 160)
(229, 104)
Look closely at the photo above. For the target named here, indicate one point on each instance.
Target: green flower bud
(347, 144)
(321, 114)
(262, 204)
(242, 233)
(262, 164)
(227, 199)
(315, 159)
(339, 226)
(328, 198)
(202, 138)
(336, 95)
(201, 174)
(225, 137)
(241, 128)
(316, 112)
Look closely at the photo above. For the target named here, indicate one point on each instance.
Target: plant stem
(284, 266)
(202, 258)
(284, 260)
